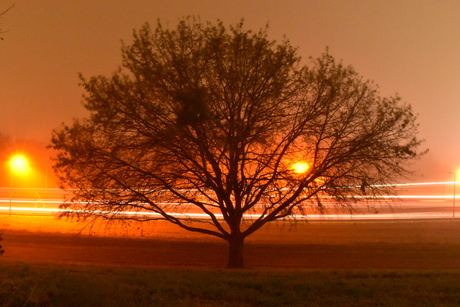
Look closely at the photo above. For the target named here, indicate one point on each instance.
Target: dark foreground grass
(65, 285)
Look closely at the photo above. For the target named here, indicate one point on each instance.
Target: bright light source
(19, 165)
(300, 167)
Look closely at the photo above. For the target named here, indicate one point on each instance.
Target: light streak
(201, 216)
(38, 201)
(416, 184)
(32, 206)
(62, 192)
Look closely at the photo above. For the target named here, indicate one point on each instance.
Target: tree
(1, 14)
(212, 118)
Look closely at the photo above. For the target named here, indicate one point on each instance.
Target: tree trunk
(235, 252)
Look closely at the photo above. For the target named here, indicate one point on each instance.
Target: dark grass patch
(66, 285)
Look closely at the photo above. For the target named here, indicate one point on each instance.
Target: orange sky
(408, 47)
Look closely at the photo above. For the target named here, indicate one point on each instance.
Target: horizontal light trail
(22, 209)
(380, 216)
(326, 198)
(416, 184)
(424, 204)
(60, 191)
(38, 201)
(441, 197)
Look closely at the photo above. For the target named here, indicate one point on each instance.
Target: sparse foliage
(208, 118)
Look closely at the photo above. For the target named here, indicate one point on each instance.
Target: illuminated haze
(407, 47)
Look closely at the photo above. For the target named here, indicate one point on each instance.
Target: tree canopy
(214, 119)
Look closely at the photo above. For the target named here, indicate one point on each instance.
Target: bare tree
(1, 14)
(213, 119)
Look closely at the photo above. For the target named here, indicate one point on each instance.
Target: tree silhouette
(212, 119)
(1, 14)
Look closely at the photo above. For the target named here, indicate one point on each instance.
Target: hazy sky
(407, 47)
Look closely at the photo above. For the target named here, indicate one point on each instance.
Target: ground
(342, 245)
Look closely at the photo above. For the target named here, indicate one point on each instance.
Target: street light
(300, 167)
(453, 205)
(453, 201)
(19, 165)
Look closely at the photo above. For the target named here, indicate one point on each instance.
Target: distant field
(412, 245)
(418, 231)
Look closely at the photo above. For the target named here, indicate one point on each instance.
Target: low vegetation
(66, 285)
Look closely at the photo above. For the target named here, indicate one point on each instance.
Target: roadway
(436, 200)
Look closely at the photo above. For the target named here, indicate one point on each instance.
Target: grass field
(64, 285)
(317, 264)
